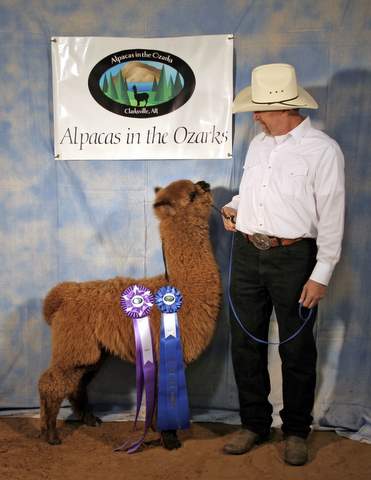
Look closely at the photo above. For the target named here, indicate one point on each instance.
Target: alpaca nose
(204, 185)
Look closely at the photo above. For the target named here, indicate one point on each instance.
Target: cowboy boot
(296, 450)
(241, 442)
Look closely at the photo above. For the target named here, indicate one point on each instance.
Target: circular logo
(137, 301)
(169, 299)
(141, 83)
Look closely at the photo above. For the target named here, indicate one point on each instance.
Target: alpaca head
(182, 199)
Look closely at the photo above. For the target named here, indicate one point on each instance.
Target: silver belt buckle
(261, 241)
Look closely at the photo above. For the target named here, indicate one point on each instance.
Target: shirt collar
(299, 132)
(296, 133)
(281, 138)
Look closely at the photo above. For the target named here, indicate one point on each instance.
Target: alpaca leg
(79, 400)
(50, 402)
(54, 385)
(42, 415)
(50, 433)
(170, 440)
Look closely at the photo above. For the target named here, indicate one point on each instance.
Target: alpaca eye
(192, 196)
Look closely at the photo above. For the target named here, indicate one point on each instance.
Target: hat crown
(272, 83)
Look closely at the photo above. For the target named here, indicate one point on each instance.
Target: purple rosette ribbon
(173, 406)
(136, 302)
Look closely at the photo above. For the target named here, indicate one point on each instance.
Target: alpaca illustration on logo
(140, 97)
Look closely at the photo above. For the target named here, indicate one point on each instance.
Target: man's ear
(157, 189)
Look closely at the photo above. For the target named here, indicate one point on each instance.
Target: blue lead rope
(304, 319)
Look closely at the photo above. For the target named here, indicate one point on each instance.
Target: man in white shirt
(288, 219)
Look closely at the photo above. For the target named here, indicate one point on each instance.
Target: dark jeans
(260, 281)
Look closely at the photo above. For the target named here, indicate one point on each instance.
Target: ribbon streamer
(173, 406)
(136, 302)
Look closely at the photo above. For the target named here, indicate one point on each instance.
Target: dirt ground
(87, 453)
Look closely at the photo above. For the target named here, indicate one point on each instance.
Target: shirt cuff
(233, 204)
(322, 273)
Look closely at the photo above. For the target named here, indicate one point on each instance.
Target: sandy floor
(87, 452)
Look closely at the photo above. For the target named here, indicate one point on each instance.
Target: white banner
(135, 98)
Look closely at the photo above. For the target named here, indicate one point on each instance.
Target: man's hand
(312, 293)
(229, 218)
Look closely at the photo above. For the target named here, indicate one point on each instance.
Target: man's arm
(329, 193)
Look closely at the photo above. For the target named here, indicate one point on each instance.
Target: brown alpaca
(87, 321)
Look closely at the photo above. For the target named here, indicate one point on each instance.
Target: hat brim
(244, 103)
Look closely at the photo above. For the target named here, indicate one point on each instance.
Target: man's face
(272, 121)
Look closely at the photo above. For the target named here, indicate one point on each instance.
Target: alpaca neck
(188, 254)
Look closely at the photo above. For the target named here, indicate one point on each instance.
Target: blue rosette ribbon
(172, 406)
(137, 302)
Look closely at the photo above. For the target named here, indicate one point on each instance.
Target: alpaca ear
(157, 189)
(204, 185)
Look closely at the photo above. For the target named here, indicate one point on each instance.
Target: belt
(265, 242)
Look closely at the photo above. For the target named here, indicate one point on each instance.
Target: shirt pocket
(294, 179)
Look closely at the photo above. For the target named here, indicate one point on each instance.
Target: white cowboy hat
(273, 87)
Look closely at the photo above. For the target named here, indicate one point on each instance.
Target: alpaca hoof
(170, 440)
(50, 437)
(91, 420)
(54, 441)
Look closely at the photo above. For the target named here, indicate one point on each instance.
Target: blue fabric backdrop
(87, 220)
